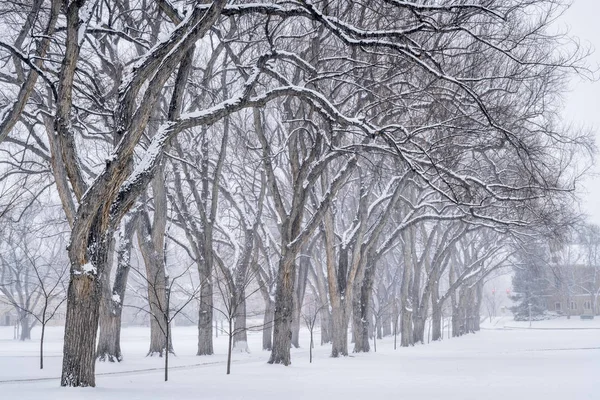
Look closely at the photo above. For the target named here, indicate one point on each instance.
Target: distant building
(8, 316)
(574, 283)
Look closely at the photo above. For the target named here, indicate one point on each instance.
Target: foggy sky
(583, 101)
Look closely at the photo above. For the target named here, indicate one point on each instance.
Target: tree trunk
(205, 313)
(339, 333)
(25, 321)
(157, 297)
(300, 291)
(83, 305)
(84, 295)
(296, 323)
(436, 311)
(406, 310)
(436, 321)
(284, 305)
(386, 324)
(325, 321)
(108, 347)
(267, 331)
(477, 306)
(362, 311)
(42, 344)
(240, 336)
(109, 339)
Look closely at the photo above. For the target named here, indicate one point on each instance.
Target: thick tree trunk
(362, 311)
(109, 346)
(83, 310)
(79, 359)
(240, 337)
(205, 314)
(339, 332)
(421, 316)
(406, 336)
(157, 298)
(284, 305)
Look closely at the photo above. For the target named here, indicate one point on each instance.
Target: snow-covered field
(555, 360)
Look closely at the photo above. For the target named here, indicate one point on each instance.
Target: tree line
(384, 156)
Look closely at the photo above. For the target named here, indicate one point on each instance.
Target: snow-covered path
(518, 363)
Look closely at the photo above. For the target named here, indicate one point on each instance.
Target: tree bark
(109, 339)
(362, 310)
(284, 306)
(83, 300)
(339, 332)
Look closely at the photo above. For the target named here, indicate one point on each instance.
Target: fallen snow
(497, 363)
(89, 268)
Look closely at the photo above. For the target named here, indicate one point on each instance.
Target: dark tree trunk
(42, 345)
(108, 347)
(83, 305)
(362, 311)
(284, 306)
(81, 325)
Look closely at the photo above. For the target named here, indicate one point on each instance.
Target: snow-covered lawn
(496, 363)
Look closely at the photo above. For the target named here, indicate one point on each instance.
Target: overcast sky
(583, 101)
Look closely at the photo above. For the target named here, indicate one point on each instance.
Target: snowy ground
(554, 360)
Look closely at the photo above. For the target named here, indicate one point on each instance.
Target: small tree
(167, 312)
(231, 300)
(310, 314)
(32, 281)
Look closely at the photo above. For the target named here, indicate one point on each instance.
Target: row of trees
(367, 151)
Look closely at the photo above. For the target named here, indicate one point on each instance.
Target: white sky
(583, 102)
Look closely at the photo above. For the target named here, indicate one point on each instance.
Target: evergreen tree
(530, 284)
